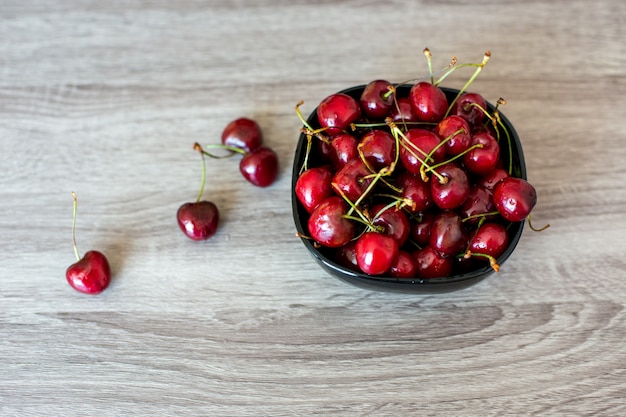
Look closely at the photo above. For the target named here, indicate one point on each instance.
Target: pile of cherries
(410, 186)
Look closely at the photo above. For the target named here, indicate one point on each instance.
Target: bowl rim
(386, 282)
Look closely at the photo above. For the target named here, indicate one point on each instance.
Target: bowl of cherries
(410, 187)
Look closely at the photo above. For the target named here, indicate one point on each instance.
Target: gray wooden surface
(107, 98)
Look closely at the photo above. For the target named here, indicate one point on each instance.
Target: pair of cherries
(91, 273)
(411, 186)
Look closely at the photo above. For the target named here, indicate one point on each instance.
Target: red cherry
(457, 132)
(431, 264)
(405, 266)
(346, 255)
(378, 148)
(403, 110)
(260, 167)
(343, 148)
(429, 102)
(350, 180)
(90, 274)
(490, 239)
(198, 220)
(375, 252)
(454, 191)
(376, 102)
(514, 198)
(478, 202)
(337, 111)
(416, 191)
(420, 230)
(242, 133)
(393, 221)
(465, 106)
(481, 161)
(491, 179)
(313, 186)
(447, 234)
(419, 144)
(328, 225)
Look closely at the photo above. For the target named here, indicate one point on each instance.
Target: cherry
(491, 179)
(514, 198)
(420, 231)
(429, 102)
(313, 186)
(416, 191)
(479, 202)
(337, 111)
(351, 180)
(405, 266)
(418, 144)
(378, 148)
(431, 264)
(198, 220)
(490, 239)
(402, 110)
(259, 167)
(242, 133)
(482, 160)
(375, 252)
(343, 148)
(346, 255)
(454, 191)
(90, 274)
(457, 132)
(328, 225)
(447, 234)
(466, 107)
(393, 222)
(376, 100)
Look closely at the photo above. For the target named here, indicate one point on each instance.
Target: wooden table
(107, 98)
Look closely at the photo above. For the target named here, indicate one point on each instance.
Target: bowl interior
(324, 257)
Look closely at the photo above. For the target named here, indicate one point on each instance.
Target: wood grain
(107, 98)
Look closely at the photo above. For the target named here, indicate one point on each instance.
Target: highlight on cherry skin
(91, 273)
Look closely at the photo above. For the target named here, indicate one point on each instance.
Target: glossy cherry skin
(465, 107)
(405, 266)
(402, 110)
(378, 148)
(337, 111)
(420, 230)
(431, 264)
(418, 144)
(91, 274)
(243, 133)
(393, 222)
(481, 161)
(514, 198)
(447, 234)
(313, 186)
(456, 133)
(490, 239)
(198, 220)
(375, 252)
(327, 224)
(346, 255)
(343, 148)
(478, 202)
(373, 102)
(260, 167)
(491, 179)
(429, 102)
(454, 192)
(416, 191)
(350, 180)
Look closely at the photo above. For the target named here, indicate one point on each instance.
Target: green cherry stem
(479, 68)
(198, 147)
(74, 226)
(429, 59)
(233, 150)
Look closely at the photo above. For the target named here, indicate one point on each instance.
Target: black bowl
(324, 257)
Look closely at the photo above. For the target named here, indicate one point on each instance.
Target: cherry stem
(233, 150)
(74, 226)
(481, 216)
(479, 68)
(429, 58)
(353, 206)
(198, 147)
(492, 261)
(535, 229)
(455, 157)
